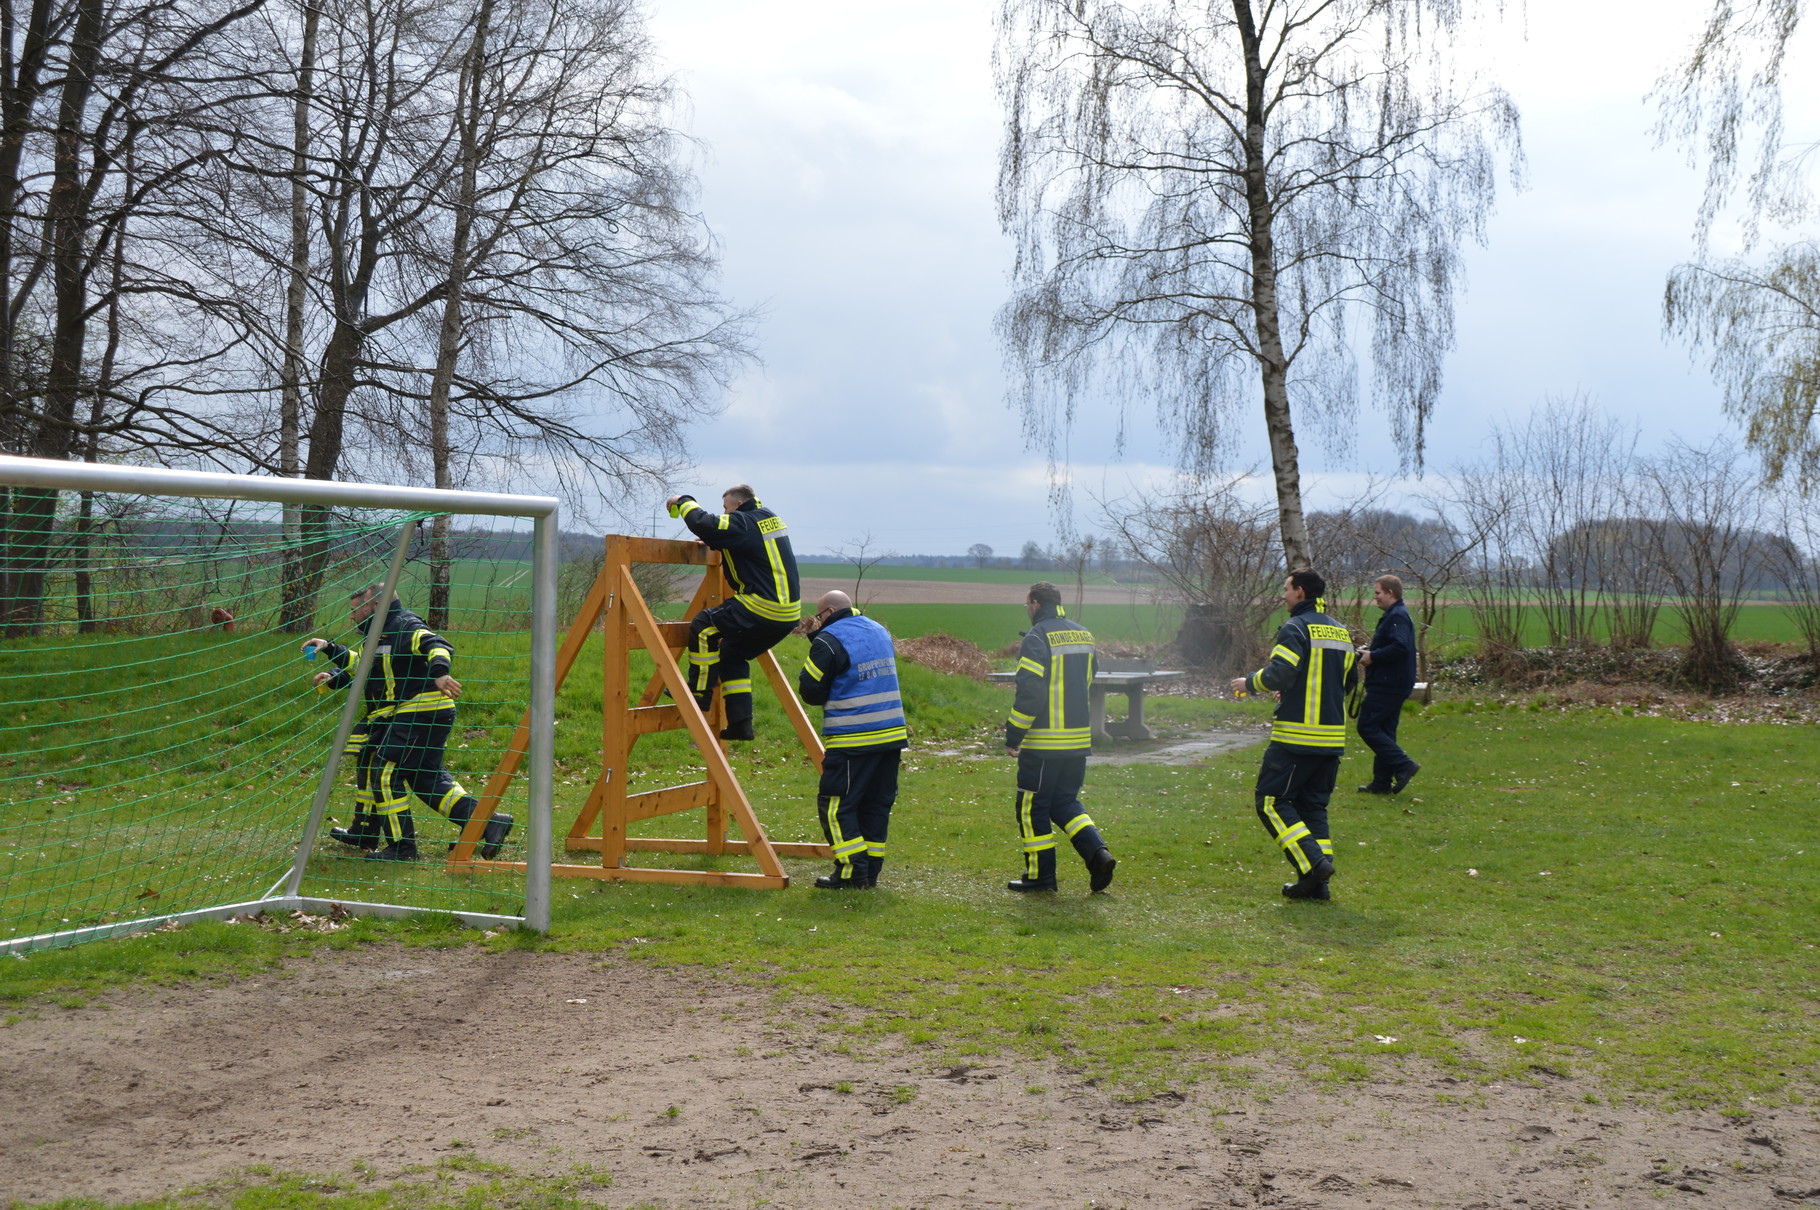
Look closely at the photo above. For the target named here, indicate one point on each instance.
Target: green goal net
(162, 740)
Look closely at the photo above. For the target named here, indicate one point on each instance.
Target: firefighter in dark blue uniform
(1312, 668)
(1050, 732)
(1390, 677)
(851, 673)
(410, 710)
(755, 551)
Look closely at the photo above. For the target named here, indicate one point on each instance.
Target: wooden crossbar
(615, 603)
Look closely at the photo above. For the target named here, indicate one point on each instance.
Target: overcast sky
(848, 160)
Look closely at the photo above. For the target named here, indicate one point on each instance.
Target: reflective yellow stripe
(1280, 651)
(786, 611)
(1076, 824)
(1279, 829)
(1309, 737)
(1058, 739)
(1022, 720)
(741, 686)
(815, 674)
(859, 739)
(1026, 664)
(780, 579)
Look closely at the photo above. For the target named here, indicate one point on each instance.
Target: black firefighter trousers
(1294, 787)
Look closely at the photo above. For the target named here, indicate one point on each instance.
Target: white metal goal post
(285, 895)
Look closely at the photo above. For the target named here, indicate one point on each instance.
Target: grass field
(1571, 891)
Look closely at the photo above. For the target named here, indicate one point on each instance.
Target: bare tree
(1205, 194)
(1577, 461)
(1704, 509)
(980, 553)
(1794, 562)
(862, 554)
(1076, 557)
(1492, 498)
(1218, 553)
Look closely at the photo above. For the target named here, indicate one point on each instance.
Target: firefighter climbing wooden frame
(611, 807)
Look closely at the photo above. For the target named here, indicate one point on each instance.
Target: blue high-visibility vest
(864, 706)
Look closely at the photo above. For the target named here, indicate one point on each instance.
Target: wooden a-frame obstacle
(611, 806)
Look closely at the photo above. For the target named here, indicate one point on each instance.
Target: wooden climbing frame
(611, 806)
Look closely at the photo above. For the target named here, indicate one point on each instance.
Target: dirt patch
(397, 1057)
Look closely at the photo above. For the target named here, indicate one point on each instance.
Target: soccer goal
(165, 753)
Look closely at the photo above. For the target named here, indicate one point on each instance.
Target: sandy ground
(398, 1057)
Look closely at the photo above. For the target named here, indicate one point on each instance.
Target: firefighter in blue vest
(410, 710)
(1312, 668)
(755, 551)
(851, 673)
(1050, 733)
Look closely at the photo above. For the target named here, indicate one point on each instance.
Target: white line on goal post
(540, 776)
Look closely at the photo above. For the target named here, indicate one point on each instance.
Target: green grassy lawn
(1571, 891)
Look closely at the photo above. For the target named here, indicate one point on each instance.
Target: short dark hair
(1045, 593)
(1391, 584)
(1310, 582)
(741, 492)
(366, 593)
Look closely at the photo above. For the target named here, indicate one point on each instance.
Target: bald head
(835, 601)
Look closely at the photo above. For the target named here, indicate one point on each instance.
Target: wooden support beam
(793, 708)
(785, 848)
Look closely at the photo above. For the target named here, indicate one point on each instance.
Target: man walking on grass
(1050, 733)
(1390, 677)
(1311, 669)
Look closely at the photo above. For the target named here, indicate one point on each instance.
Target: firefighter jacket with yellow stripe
(755, 549)
(402, 681)
(1311, 669)
(1054, 681)
(851, 674)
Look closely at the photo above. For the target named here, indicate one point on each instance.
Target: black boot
(1093, 851)
(741, 731)
(1099, 870)
(845, 877)
(873, 866)
(1313, 884)
(1376, 787)
(1403, 779)
(498, 828)
(1042, 878)
(398, 850)
(363, 835)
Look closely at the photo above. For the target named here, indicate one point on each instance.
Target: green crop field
(952, 575)
(992, 627)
